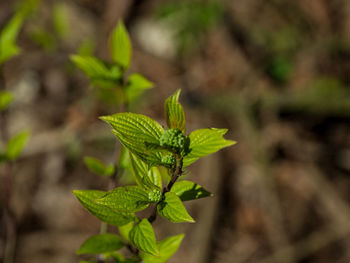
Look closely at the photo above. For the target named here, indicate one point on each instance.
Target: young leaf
(142, 237)
(139, 168)
(204, 142)
(5, 99)
(99, 244)
(145, 177)
(98, 167)
(167, 248)
(124, 158)
(155, 176)
(188, 190)
(120, 46)
(16, 144)
(127, 199)
(125, 230)
(60, 19)
(172, 209)
(136, 85)
(8, 36)
(137, 132)
(174, 113)
(96, 70)
(105, 214)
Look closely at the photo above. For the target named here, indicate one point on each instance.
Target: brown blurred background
(276, 73)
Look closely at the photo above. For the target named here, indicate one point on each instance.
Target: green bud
(168, 160)
(155, 195)
(175, 141)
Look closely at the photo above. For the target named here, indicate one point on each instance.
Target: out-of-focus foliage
(190, 20)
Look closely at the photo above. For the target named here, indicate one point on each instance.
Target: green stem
(113, 179)
(176, 173)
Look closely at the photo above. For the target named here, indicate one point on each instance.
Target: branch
(176, 173)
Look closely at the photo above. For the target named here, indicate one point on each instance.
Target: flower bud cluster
(155, 195)
(175, 141)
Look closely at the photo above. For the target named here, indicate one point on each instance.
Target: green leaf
(124, 158)
(172, 209)
(148, 178)
(137, 133)
(188, 190)
(126, 199)
(87, 199)
(98, 167)
(16, 144)
(136, 85)
(5, 99)
(142, 237)
(99, 244)
(125, 230)
(174, 113)
(8, 36)
(139, 168)
(98, 72)
(204, 142)
(120, 46)
(167, 248)
(60, 19)
(155, 177)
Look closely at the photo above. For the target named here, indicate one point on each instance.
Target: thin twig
(8, 217)
(176, 173)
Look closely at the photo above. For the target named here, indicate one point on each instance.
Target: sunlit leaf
(188, 190)
(172, 209)
(120, 45)
(98, 72)
(137, 133)
(99, 244)
(125, 199)
(167, 248)
(125, 230)
(87, 199)
(142, 237)
(174, 113)
(204, 142)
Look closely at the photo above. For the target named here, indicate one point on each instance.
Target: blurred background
(275, 73)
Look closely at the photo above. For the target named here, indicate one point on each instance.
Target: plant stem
(113, 178)
(176, 173)
(9, 221)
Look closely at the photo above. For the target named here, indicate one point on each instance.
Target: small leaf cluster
(108, 76)
(54, 31)
(17, 142)
(9, 49)
(147, 142)
(148, 148)
(9, 33)
(8, 37)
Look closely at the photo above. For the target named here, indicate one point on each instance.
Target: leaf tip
(76, 192)
(104, 118)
